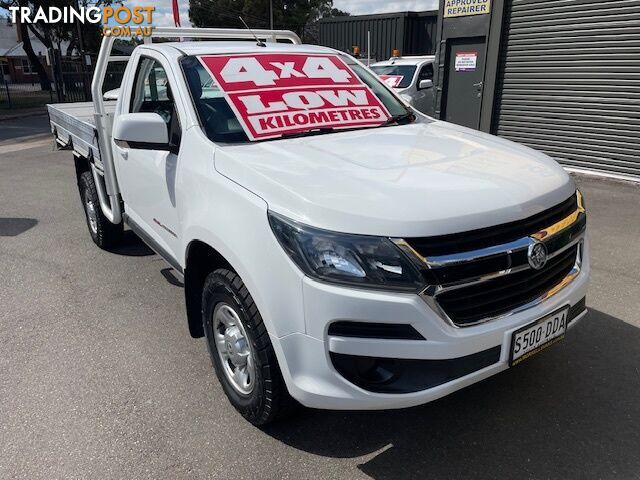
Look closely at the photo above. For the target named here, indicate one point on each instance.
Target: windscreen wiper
(307, 133)
(396, 119)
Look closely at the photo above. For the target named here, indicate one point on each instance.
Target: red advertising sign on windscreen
(392, 80)
(275, 94)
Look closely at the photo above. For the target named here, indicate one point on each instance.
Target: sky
(163, 15)
(361, 7)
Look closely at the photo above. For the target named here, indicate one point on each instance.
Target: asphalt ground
(14, 128)
(99, 377)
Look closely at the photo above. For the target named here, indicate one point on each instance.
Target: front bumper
(315, 382)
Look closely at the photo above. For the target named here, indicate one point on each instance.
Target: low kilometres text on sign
(275, 94)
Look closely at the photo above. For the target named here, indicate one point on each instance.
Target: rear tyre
(241, 352)
(103, 233)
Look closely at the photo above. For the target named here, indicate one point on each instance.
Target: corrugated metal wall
(569, 81)
(420, 34)
(411, 32)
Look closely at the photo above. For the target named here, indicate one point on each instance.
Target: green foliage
(53, 35)
(300, 16)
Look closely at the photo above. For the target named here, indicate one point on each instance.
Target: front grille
(469, 305)
(487, 237)
(483, 274)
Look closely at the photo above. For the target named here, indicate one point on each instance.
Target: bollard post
(6, 86)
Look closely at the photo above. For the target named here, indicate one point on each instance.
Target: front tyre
(241, 352)
(103, 233)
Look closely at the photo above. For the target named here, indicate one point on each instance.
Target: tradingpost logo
(120, 21)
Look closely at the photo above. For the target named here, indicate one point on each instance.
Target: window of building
(26, 66)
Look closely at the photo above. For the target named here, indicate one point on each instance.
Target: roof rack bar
(226, 34)
(110, 195)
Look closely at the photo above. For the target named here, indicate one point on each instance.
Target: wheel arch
(81, 164)
(200, 260)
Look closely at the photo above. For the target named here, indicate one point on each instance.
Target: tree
(52, 35)
(34, 61)
(336, 12)
(297, 15)
(218, 13)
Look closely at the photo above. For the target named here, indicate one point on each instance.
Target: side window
(152, 93)
(426, 73)
(151, 88)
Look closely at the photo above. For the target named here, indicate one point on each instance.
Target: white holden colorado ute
(339, 249)
(411, 78)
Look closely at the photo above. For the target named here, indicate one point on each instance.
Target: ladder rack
(110, 202)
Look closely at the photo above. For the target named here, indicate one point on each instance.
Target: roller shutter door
(569, 81)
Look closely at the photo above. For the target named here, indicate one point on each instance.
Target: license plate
(537, 336)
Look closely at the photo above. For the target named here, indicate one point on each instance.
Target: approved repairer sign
(463, 8)
(276, 94)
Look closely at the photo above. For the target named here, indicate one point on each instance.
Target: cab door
(147, 177)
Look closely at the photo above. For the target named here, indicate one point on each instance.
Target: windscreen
(257, 97)
(397, 76)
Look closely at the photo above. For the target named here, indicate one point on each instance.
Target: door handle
(478, 85)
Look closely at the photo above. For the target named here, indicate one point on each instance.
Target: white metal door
(147, 176)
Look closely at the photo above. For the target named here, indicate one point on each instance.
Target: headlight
(356, 260)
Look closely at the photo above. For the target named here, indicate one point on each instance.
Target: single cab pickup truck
(412, 79)
(339, 249)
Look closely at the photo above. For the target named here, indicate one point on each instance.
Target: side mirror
(147, 131)
(424, 84)
(111, 94)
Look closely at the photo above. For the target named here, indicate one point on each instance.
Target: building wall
(413, 33)
(8, 36)
(19, 74)
(560, 76)
(568, 82)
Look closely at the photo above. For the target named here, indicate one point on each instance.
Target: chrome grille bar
(559, 237)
